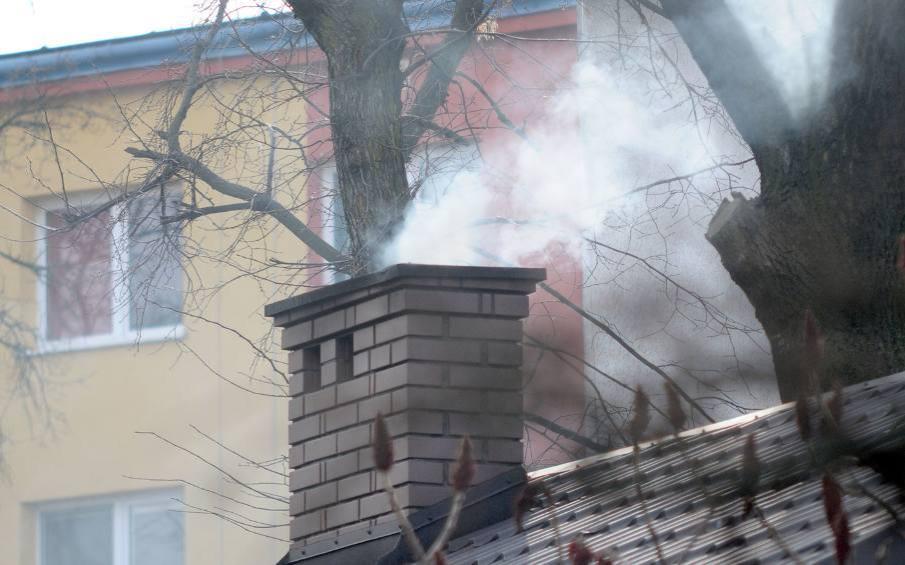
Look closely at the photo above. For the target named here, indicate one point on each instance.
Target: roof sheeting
(691, 499)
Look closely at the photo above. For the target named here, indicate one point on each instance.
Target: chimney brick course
(436, 350)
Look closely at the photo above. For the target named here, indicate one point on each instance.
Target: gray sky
(32, 24)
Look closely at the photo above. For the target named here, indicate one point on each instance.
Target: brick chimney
(437, 350)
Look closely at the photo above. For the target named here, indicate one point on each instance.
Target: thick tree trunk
(372, 140)
(822, 235)
(364, 42)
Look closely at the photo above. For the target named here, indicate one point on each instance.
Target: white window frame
(328, 181)
(120, 333)
(157, 499)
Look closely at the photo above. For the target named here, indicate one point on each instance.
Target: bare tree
(822, 233)
(359, 88)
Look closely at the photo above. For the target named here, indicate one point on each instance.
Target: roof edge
(265, 33)
(709, 428)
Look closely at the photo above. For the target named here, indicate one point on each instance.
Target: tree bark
(363, 43)
(822, 234)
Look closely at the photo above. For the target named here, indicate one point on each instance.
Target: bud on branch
(641, 415)
(465, 467)
(674, 410)
(813, 350)
(383, 445)
(835, 515)
(750, 475)
(802, 416)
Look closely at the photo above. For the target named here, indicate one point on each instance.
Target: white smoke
(440, 231)
(561, 179)
(793, 39)
(616, 126)
(606, 132)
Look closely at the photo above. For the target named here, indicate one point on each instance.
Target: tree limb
(677, 178)
(444, 131)
(625, 345)
(33, 267)
(649, 5)
(467, 15)
(566, 432)
(500, 114)
(192, 84)
(257, 202)
(194, 213)
(737, 75)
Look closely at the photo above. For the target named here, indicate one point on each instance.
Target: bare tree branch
(734, 70)
(257, 201)
(467, 16)
(566, 432)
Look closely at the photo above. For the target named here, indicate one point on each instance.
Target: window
(110, 279)
(142, 529)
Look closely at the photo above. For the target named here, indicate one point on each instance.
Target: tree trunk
(822, 234)
(372, 140)
(363, 43)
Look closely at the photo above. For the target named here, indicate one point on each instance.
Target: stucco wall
(102, 397)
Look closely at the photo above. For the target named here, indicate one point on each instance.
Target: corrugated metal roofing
(691, 500)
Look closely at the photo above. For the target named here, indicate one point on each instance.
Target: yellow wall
(104, 396)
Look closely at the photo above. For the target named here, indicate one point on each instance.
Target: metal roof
(690, 490)
(691, 500)
(266, 33)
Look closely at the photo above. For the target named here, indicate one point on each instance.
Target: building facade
(157, 430)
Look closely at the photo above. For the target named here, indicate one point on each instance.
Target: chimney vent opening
(312, 373)
(344, 350)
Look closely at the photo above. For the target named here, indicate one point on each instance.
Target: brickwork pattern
(439, 357)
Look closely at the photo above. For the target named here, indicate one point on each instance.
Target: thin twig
(215, 466)
(407, 530)
(610, 332)
(774, 535)
(644, 510)
(566, 432)
(452, 519)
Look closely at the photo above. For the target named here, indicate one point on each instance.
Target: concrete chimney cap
(401, 271)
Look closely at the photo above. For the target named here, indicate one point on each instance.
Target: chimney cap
(399, 271)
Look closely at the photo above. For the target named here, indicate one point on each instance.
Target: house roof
(691, 500)
(690, 489)
(267, 33)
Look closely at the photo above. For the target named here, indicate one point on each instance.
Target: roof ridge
(737, 421)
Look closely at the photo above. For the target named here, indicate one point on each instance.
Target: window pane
(78, 536)
(156, 536)
(155, 283)
(78, 301)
